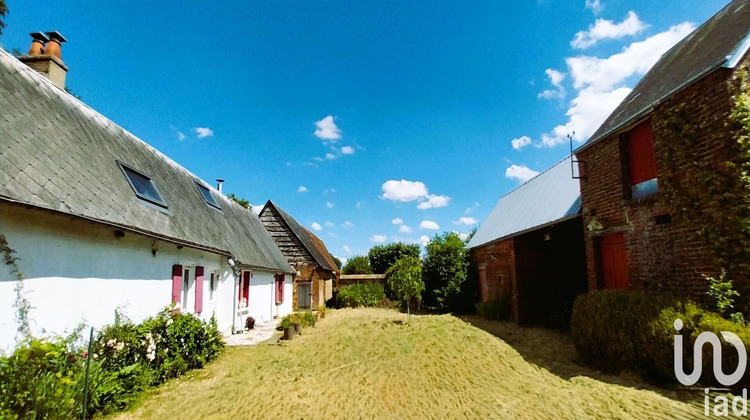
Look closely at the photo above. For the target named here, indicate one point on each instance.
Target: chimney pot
(53, 46)
(219, 183)
(37, 44)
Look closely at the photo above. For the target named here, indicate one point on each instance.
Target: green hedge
(44, 378)
(362, 294)
(614, 330)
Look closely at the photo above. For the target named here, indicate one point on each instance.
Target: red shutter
(641, 153)
(199, 271)
(614, 262)
(246, 288)
(176, 283)
(276, 288)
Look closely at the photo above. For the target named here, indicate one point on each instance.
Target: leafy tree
(405, 280)
(382, 257)
(241, 201)
(358, 264)
(445, 271)
(336, 260)
(3, 12)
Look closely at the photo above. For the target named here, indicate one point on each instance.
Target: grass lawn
(369, 363)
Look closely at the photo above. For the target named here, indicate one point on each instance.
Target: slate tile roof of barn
(312, 243)
(57, 153)
(720, 42)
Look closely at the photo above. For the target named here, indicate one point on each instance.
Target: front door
(614, 262)
(304, 295)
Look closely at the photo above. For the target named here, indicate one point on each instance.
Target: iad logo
(721, 402)
(713, 339)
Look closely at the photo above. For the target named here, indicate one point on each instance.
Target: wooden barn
(316, 271)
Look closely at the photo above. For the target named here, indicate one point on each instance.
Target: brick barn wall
(667, 257)
(497, 259)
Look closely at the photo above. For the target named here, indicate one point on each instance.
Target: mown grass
(369, 363)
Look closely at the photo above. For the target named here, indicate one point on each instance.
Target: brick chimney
(45, 56)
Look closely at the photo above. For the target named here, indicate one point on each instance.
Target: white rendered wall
(79, 272)
(262, 299)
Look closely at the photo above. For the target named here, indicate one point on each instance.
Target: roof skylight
(210, 200)
(142, 185)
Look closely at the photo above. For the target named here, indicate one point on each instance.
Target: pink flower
(85, 354)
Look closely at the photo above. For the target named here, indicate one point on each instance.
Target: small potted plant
(296, 321)
(288, 328)
(322, 311)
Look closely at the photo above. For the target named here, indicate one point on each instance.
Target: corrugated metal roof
(550, 196)
(722, 40)
(57, 153)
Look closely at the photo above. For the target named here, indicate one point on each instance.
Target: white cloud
(329, 204)
(326, 129)
(302, 188)
(331, 190)
(348, 224)
(347, 150)
(330, 156)
(463, 236)
(555, 78)
(329, 224)
(316, 226)
(607, 29)
(595, 6)
(520, 173)
(378, 239)
(203, 132)
(358, 205)
(429, 224)
(404, 190)
(397, 221)
(521, 142)
(471, 209)
(434, 201)
(318, 159)
(404, 229)
(600, 83)
(424, 240)
(181, 135)
(257, 208)
(466, 221)
(347, 249)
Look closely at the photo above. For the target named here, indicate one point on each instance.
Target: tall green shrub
(363, 294)
(382, 257)
(405, 280)
(358, 264)
(444, 270)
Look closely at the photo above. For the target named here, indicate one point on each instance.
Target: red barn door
(614, 262)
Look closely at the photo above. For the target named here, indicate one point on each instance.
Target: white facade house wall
(79, 272)
(262, 299)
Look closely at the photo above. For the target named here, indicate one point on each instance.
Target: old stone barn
(316, 271)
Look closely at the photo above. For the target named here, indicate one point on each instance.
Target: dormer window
(142, 185)
(210, 200)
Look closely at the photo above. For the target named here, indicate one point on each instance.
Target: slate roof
(56, 153)
(550, 197)
(312, 243)
(720, 42)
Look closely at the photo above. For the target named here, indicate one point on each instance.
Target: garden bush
(495, 310)
(363, 294)
(45, 378)
(616, 330)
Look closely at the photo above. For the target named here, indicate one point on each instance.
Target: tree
(336, 260)
(3, 12)
(382, 257)
(241, 201)
(358, 264)
(405, 280)
(445, 271)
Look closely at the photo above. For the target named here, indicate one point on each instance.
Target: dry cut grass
(370, 364)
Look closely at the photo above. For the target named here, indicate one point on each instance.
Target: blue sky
(368, 122)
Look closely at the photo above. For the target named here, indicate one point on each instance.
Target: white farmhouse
(100, 220)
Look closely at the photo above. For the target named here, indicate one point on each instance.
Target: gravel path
(255, 336)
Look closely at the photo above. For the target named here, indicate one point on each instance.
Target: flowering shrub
(45, 378)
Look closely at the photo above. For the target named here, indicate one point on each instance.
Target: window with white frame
(187, 289)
